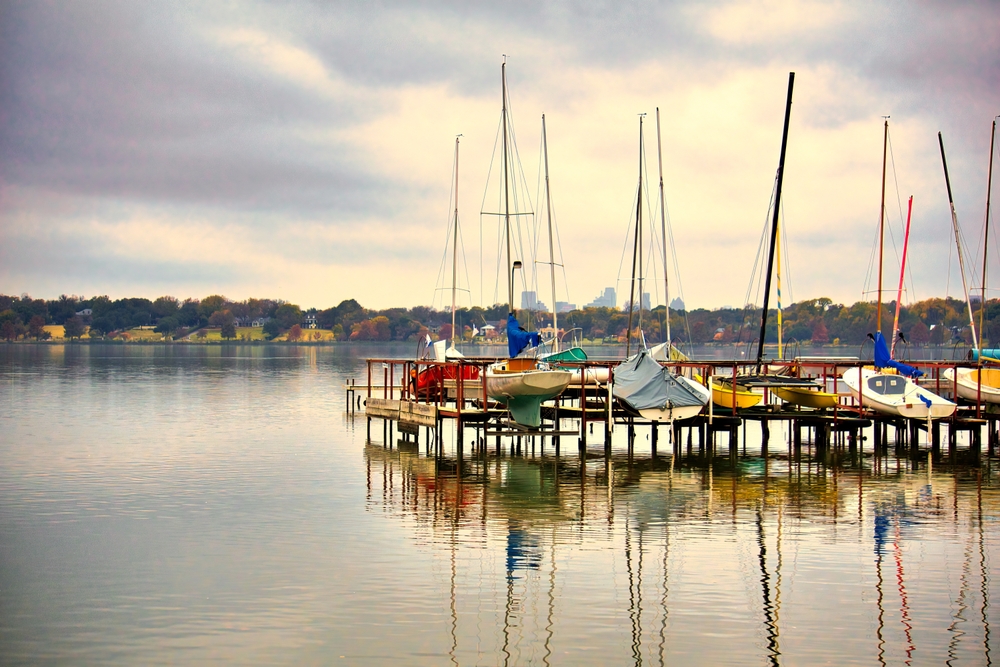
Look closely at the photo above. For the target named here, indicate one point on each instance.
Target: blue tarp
(518, 338)
(884, 360)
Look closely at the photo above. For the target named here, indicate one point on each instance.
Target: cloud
(313, 142)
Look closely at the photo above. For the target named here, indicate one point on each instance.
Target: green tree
(272, 329)
(74, 327)
(210, 304)
(288, 315)
(167, 325)
(165, 306)
(229, 329)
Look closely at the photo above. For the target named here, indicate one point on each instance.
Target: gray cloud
(128, 101)
(133, 101)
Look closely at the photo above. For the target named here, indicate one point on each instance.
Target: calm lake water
(215, 504)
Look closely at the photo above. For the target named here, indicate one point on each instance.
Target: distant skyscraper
(607, 300)
(677, 304)
(529, 301)
(564, 307)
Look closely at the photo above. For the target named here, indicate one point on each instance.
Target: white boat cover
(644, 384)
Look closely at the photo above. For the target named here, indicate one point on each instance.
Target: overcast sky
(304, 150)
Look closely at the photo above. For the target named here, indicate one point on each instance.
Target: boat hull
(806, 398)
(524, 391)
(724, 396)
(974, 384)
(896, 395)
(674, 413)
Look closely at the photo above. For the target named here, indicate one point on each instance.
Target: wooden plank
(386, 408)
(420, 414)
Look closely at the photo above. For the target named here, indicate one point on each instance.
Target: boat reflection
(650, 553)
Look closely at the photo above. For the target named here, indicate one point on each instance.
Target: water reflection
(648, 560)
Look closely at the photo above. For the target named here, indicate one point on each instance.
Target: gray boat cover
(643, 384)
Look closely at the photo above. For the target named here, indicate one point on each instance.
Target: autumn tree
(295, 333)
(36, 327)
(819, 333)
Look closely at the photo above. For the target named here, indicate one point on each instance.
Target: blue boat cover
(518, 338)
(644, 384)
(884, 360)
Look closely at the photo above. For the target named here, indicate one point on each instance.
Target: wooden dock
(589, 415)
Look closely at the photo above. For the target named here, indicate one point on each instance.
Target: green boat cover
(572, 354)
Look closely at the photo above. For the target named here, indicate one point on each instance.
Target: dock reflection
(543, 551)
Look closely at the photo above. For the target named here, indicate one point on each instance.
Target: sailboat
(574, 354)
(429, 382)
(641, 384)
(522, 384)
(740, 395)
(887, 386)
(803, 397)
(975, 384)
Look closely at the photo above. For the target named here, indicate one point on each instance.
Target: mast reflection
(550, 549)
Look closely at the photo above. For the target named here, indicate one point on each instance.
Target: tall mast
(552, 257)
(454, 253)
(881, 227)
(958, 245)
(902, 269)
(663, 235)
(774, 219)
(506, 191)
(636, 257)
(986, 230)
(638, 224)
(777, 291)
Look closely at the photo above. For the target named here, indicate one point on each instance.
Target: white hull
(682, 412)
(545, 384)
(523, 391)
(593, 376)
(896, 395)
(969, 386)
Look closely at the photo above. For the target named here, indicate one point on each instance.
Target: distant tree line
(933, 321)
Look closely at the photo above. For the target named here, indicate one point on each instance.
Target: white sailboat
(522, 384)
(580, 375)
(641, 384)
(887, 386)
(974, 384)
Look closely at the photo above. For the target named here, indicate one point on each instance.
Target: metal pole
(552, 256)
(506, 187)
(958, 245)
(986, 231)
(774, 219)
(881, 228)
(454, 252)
(663, 234)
